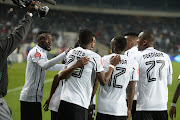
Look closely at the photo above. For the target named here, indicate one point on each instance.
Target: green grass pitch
(16, 80)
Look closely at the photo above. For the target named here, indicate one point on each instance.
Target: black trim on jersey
(38, 85)
(127, 53)
(95, 63)
(133, 73)
(44, 81)
(62, 82)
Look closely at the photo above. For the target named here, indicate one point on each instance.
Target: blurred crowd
(104, 26)
(165, 5)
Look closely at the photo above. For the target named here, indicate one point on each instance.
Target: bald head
(145, 40)
(149, 36)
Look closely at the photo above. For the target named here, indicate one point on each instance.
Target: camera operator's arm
(11, 42)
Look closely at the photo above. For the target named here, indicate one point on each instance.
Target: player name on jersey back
(78, 53)
(154, 69)
(153, 54)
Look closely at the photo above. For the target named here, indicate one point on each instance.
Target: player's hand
(129, 114)
(82, 61)
(32, 8)
(46, 105)
(115, 60)
(90, 111)
(172, 112)
(68, 50)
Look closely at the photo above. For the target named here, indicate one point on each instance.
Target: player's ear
(114, 48)
(79, 42)
(145, 42)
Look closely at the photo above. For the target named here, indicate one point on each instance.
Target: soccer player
(53, 101)
(37, 64)
(92, 106)
(172, 111)
(131, 50)
(155, 75)
(77, 90)
(112, 97)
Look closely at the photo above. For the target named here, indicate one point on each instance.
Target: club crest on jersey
(37, 54)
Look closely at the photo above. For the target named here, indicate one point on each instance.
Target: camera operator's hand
(32, 8)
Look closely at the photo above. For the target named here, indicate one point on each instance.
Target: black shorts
(151, 115)
(53, 115)
(101, 116)
(31, 111)
(70, 111)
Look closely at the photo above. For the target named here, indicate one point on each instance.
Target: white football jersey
(78, 86)
(154, 69)
(35, 76)
(112, 97)
(94, 100)
(55, 100)
(133, 52)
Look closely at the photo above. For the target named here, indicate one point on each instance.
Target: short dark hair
(120, 42)
(148, 35)
(131, 34)
(41, 32)
(85, 36)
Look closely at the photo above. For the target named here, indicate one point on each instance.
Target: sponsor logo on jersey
(37, 54)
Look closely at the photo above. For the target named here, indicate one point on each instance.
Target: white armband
(173, 104)
(111, 66)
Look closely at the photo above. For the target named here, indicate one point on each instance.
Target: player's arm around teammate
(81, 62)
(105, 77)
(172, 111)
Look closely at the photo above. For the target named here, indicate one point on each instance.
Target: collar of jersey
(149, 48)
(43, 50)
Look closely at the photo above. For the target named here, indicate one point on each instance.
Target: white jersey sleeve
(37, 55)
(135, 72)
(106, 61)
(98, 62)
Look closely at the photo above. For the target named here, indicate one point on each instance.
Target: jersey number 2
(121, 71)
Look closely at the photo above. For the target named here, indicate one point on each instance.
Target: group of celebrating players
(134, 80)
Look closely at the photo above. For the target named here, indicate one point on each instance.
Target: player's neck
(120, 52)
(86, 47)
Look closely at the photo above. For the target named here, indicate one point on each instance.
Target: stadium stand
(104, 26)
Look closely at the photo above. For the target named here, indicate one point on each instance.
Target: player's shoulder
(129, 59)
(107, 57)
(162, 53)
(92, 54)
(36, 52)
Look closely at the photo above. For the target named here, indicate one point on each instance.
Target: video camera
(42, 11)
